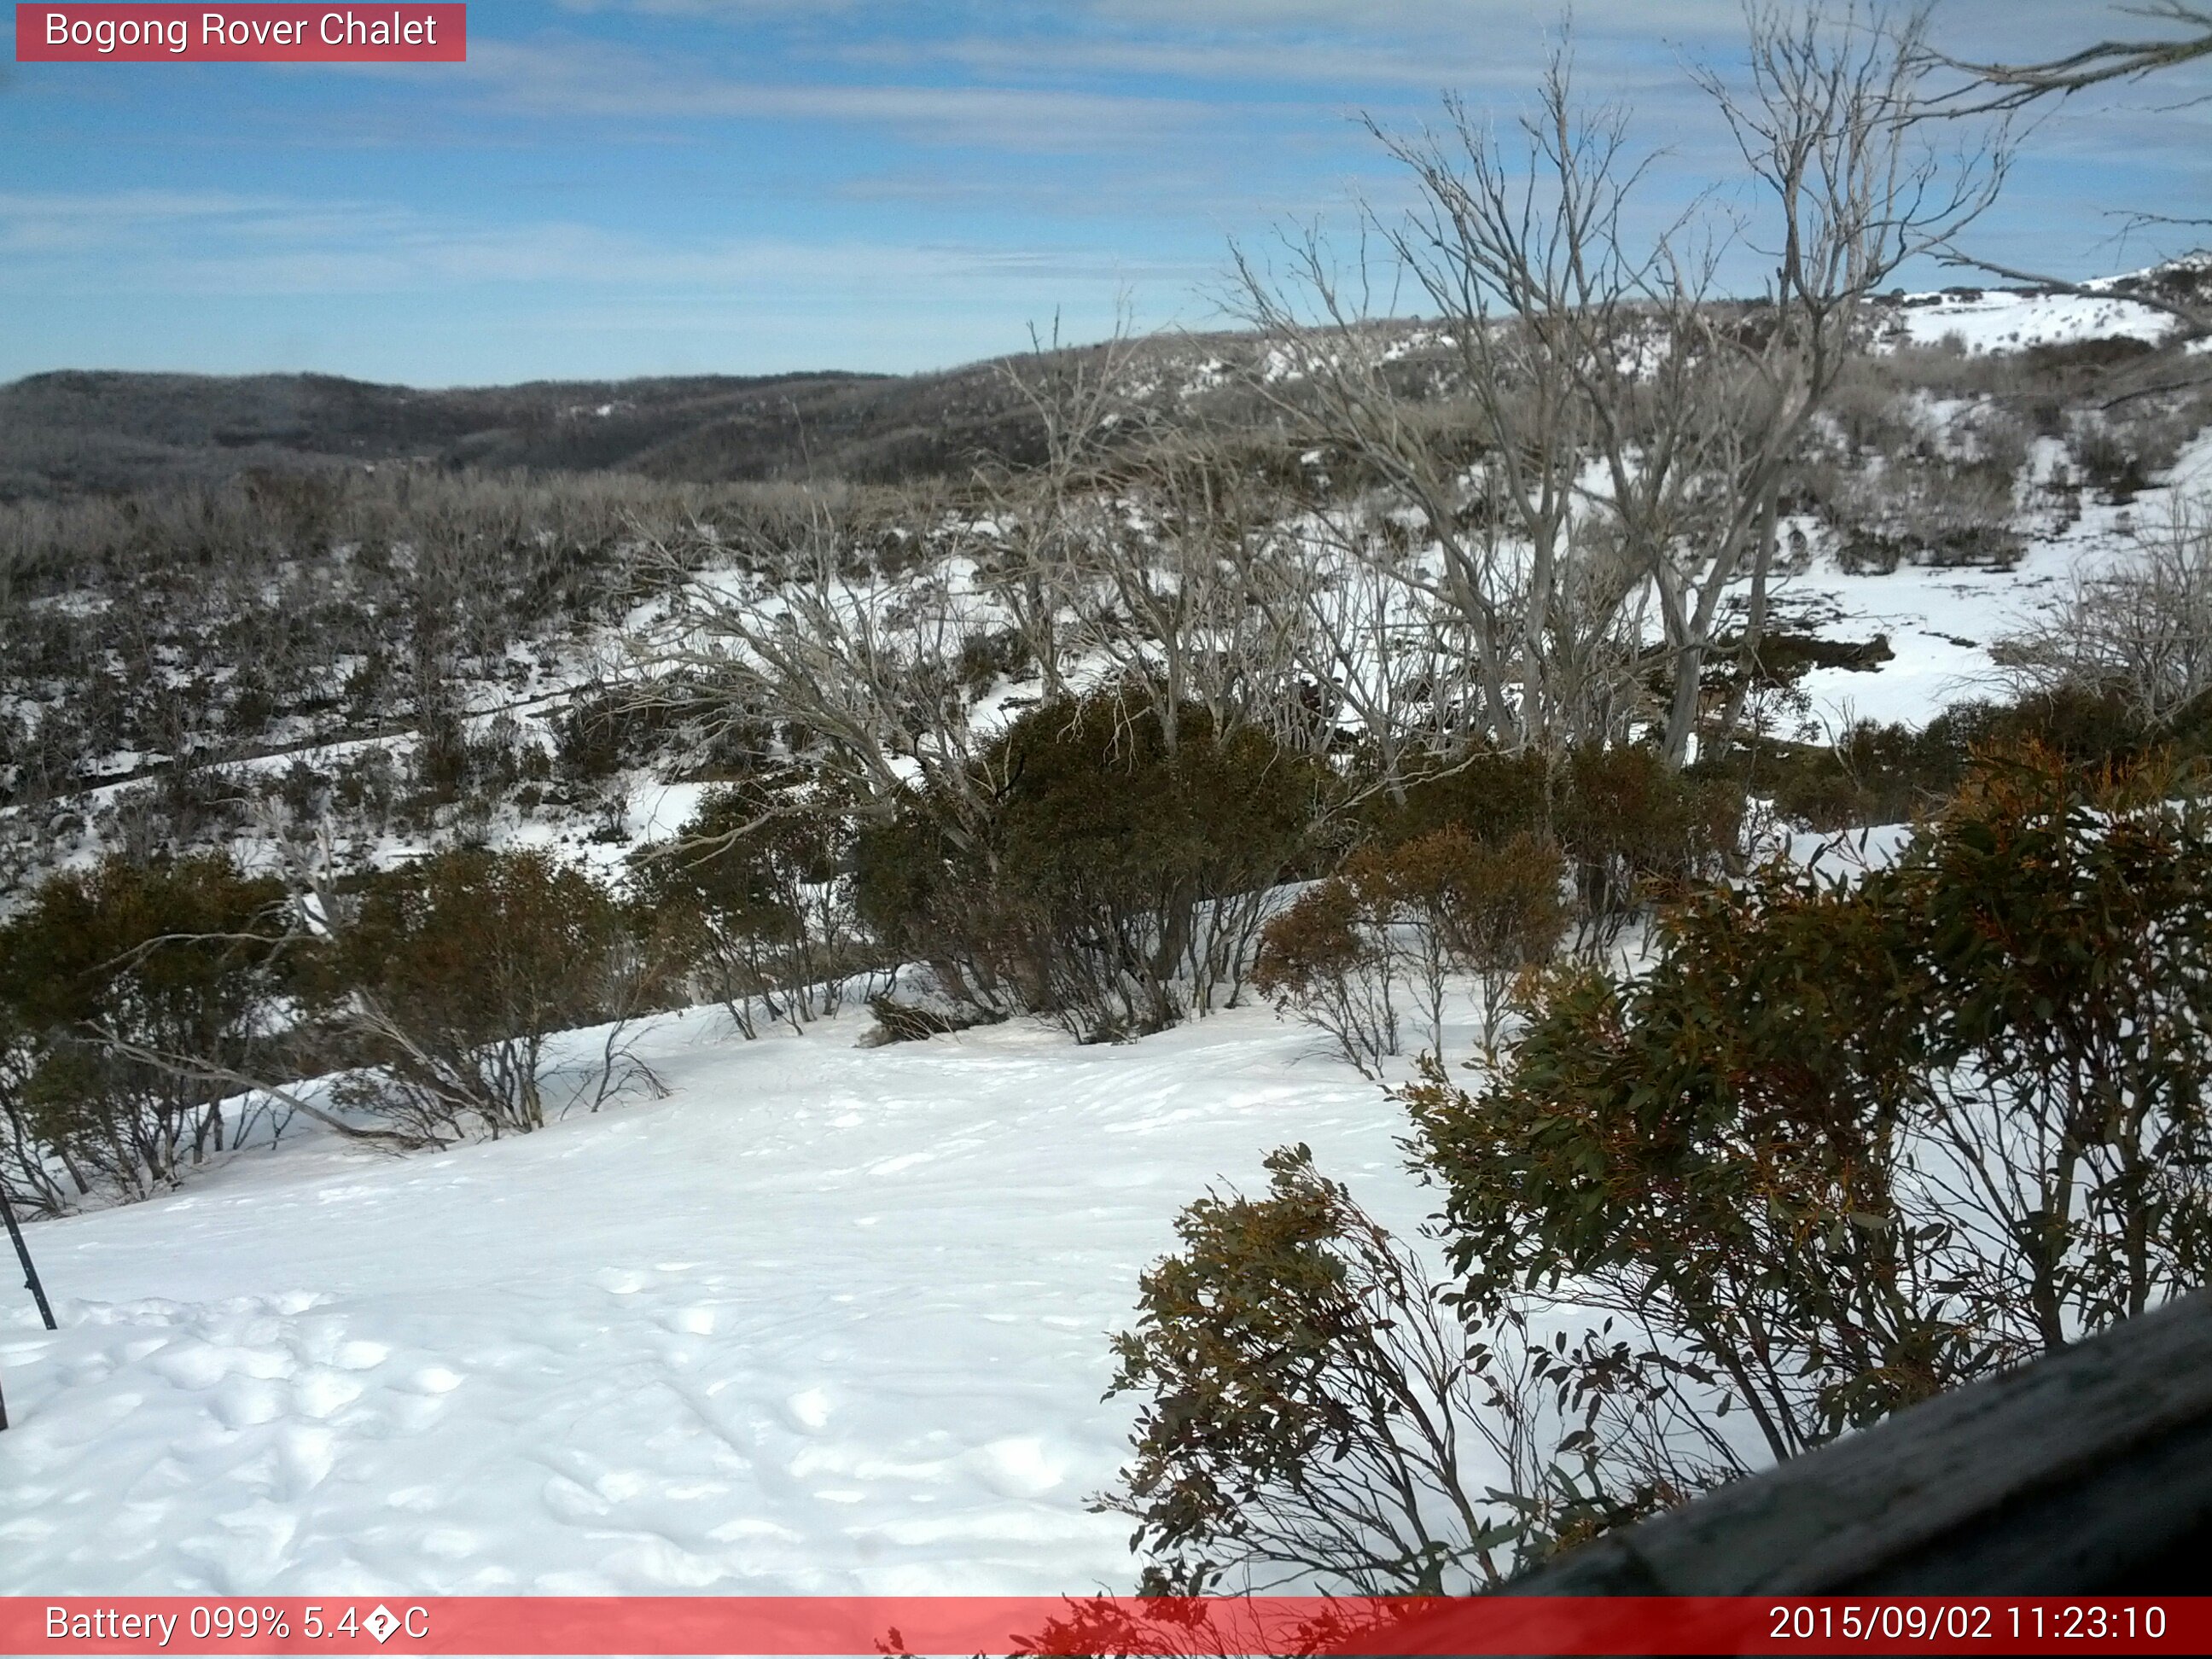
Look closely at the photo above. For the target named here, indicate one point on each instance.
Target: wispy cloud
(60, 226)
(236, 245)
(578, 80)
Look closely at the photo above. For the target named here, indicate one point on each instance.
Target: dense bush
(125, 992)
(1111, 879)
(150, 1014)
(1844, 1147)
(1635, 829)
(443, 985)
(1841, 1146)
(1489, 795)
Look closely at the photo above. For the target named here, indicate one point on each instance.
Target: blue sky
(615, 187)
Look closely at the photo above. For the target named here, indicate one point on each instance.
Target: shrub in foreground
(1840, 1147)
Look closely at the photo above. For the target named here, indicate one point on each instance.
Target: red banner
(1194, 1628)
(77, 34)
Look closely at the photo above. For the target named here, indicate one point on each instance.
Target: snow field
(827, 1320)
(1940, 622)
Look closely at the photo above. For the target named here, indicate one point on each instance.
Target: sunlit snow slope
(826, 1319)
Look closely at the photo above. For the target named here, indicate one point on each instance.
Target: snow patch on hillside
(1996, 321)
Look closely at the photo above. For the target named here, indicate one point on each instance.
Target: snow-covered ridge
(2015, 319)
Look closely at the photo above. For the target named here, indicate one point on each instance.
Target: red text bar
(77, 34)
(1265, 1626)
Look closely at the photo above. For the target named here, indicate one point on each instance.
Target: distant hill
(73, 431)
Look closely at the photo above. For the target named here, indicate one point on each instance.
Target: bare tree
(1080, 403)
(2000, 86)
(1833, 126)
(863, 665)
(1566, 344)
(1514, 256)
(1375, 651)
(1169, 570)
(2016, 86)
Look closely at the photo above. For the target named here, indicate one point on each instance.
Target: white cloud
(215, 243)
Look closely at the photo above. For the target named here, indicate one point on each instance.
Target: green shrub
(1494, 911)
(1837, 1148)
(1635, 829)
(1889, 773)
(925, 891)
(755, 897)
(125, 988)
(1313, 1410)
(1436, 905)
(1329, 957)
(443, 984)
(1844, 1147)
(1109, 879)
(1489, 796)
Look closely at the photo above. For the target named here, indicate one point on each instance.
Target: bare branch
(2001, 87)
(206, 1071)
(2196, 319)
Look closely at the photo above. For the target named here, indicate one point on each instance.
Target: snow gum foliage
(1316, 1410)
(1844, 1147)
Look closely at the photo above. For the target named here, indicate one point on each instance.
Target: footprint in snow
(321, 1393)
(1023, 1466)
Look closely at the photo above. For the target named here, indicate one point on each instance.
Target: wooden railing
(2088, 1471)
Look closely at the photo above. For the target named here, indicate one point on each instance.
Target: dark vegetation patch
(72, 432)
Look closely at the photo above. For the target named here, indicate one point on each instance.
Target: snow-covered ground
(826, 1319)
